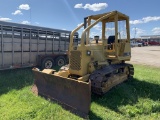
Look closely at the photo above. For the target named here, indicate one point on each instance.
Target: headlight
(88, 52)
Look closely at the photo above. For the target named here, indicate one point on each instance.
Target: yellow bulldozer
(95, 65)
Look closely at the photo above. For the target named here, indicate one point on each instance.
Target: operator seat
(111, 39)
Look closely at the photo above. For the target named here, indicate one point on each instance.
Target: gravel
(148, 55)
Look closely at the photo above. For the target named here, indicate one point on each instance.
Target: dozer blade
(71, 94)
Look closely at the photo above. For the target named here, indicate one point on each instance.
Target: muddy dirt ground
(148, 55)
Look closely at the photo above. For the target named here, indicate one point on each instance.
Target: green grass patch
(138, 98)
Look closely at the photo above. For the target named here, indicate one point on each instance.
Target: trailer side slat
(20, 45)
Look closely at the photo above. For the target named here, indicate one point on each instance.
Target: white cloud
(17, 12)
(78, 5)
(145, 20)
(138, 32)
(24, 7)
(93, 7)
(79, 24)
(136, 22)
(148, 19)
(5, 19)
(96, 6)
(156, 30)
(81, 27)
(25, 22)
(37, 23)
(92, 34)
(97, 27)
(110, 29)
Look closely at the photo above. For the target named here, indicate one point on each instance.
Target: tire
(60, 61)
(139, 45)
(47, 63)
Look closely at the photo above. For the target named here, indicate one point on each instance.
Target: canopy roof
(111, 16)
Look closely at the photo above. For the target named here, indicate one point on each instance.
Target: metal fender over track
(71, 94)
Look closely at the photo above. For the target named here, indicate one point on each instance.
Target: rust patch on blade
(71, 93)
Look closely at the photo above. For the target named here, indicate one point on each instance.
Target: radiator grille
(75, 60)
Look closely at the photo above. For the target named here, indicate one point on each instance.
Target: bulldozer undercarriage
(104, 79)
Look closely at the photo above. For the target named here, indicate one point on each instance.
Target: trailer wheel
(60, 61)
(47, 63)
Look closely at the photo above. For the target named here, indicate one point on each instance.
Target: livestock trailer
(26, 45)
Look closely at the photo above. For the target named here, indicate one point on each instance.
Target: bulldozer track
(104, 79)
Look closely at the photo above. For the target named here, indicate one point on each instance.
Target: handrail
(72, 34)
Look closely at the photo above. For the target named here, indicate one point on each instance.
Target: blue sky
(67, 14)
